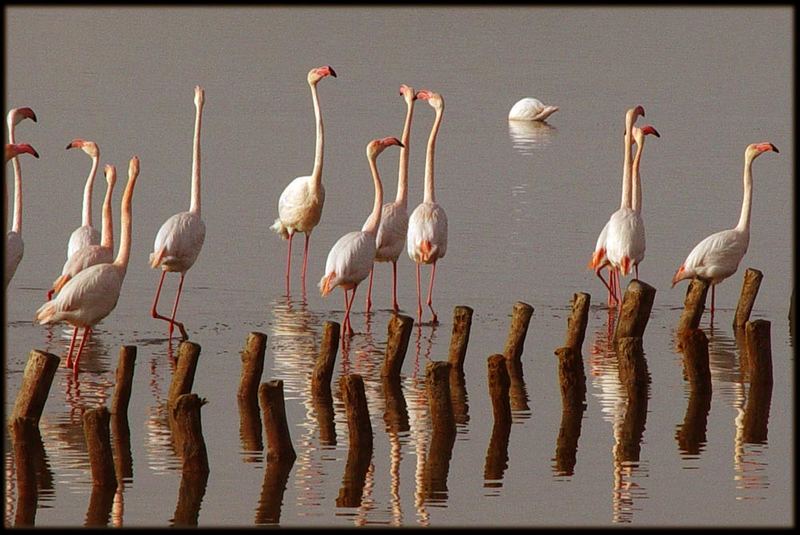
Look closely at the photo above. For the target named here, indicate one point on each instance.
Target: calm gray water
(524, 207)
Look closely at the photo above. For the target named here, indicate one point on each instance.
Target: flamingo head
(317, 74)
(133, 168)
(433, 98)
(632, 114)
(13, 149)
(408, 93)
(16, 115)
(89, 147)
(199, 96)
(757, 149)
(377, 146)
(111, 174)
(640, 133)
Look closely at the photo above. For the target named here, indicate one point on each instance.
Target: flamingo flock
(91, 280)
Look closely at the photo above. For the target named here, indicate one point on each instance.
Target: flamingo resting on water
(14, 244)
(92, 294)
(717, 256)
(351, 257)
(394, 217)
(181, 237)
(531, 109)
(86, 234)
(300, 203)
(426, 241)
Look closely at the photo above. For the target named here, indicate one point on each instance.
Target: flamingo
(394, 217)
(600, 256)
(92, 254)
(351, 257)
(717, 256)
(181, 237)
(636, 191)
(14, 244)
(15, 115)
(300, 203)
(531, 109)
(86, 234)
(427, 226)
(92, 294)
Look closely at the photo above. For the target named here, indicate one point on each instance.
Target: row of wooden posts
(446, 400)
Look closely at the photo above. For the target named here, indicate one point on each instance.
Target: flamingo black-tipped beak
(333, 73)
(774, 148)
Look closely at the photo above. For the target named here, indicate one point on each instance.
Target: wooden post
(190, 498)
(496, 455)
(572, 381)
(25, 435)
(355, 477)
(759, 398)
(98, 443)
(122, 390)
(36, 380)
(183, 377)
(577, 321)
(279, 443)
(355, 403)
(437, 382)
(635, 311)
(520, 318)
(250, 428)
(121, 443)
(395, 415)
(632, 364)
(497, 452)
(252, 367)
(462, 323)
(323, 369)
(750, 285)
(499, 383)
(276, 476)
(101, 503)
(629, 444)
(694, 344)
(693, 305)
(397, 344)
(691, 435)
(188, 426)
(458, 395)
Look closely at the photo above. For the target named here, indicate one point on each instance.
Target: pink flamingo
(92, 294)
(639, 135)
(394, 218)
(86, 234)
(717, 256)
(300, 203)
(92, 254)
(181, 237)
(351, 257)
(427, 226)
(14, 244)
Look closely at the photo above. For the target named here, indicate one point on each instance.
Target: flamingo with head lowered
(86, 234)
(300, 203)
(717, 256)
(351, 257)
(14, 244)
(181, 237)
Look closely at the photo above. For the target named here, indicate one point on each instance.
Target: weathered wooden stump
(101, 503)
(124, 383)
(691, 435)
(188, 431)
(458, 395)
(759, 398)
(395, 415)
(693, 306)
(520, 319)
(572, 383)
(629, 444)
(121, 445)
(276, 429)
(24, 436)
(183, 377)
(750, 286)
(577, 321)
(396, 345)
(694, 344)
(635, 310)
(36, 381)
(437, 383)
(323, 367)
(98, 443)
(359, 453)
(276, 476)
(459, 339)
(190, 498)
(632, 364)
(252, 367)
(497, 452)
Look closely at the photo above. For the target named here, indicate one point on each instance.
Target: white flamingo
(531, 109)
(92, 294)
(426, 241)
(300, 203)
(351, 257)
(86, 234)
(717, 256)
(394, 217)
(600, 258)
(181, 237)
(638, 233)
(92, 254)
(14, 244)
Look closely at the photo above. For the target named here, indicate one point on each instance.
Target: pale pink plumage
(86, 234)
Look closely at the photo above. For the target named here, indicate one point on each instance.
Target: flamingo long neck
(636, 183)
(87, 193)
(402, 173)
(625, 202)
(124, 253)
(195, 203)
(107, 232)
(429, 186)
(373, 222)
(316, 174)
(17, 221)
(744, 218)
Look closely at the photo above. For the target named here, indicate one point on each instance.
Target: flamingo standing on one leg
(14, 244)
(717, 256)
(181, 237)
(92, 254)
(637, 233)
(427, 226)
(394, 218)
(351, 257)
(92, 294)
(86, 234)
(300, 203)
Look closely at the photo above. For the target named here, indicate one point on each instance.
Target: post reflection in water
(529, 136)
(161, 454)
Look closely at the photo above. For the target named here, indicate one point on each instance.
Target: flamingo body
(531, 109)
(81, 237)
(625, 239)
(299, 207)
(349, 261)
(178, 242)
(87, 298)
(716, 257)
(392, 232)
(427, 233)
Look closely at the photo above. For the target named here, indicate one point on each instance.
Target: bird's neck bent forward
(195, 202)
(402, 173)
(373, 222)
(429, 184)
(316, 174)
(87, 193)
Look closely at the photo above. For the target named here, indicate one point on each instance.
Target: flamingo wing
(82, 237)
(178, 242)
(427, 233)
(717, 256)
(350, 259)
(392, 232)
(87, 298)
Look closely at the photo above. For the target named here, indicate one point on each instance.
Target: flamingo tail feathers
(325, 284)
(280, 228)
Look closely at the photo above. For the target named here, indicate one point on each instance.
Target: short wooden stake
(577, 321)
(25, 435)
(183, 377)
(124, 385)
(250, 427)
(276, 428)
(693, 306)
(98, 443)
(694, 344)
(572, 382)
(252, 367)
(632, 364)
(750, 285)
(323, 368)
(188, 426)
(517, 390)
(36, 380)
(395, 415)
(635, 311)
(276, 476)
(759, 398)
(633, 425)
(462, 323)
(437, 383)
(458, 395)
(520, 318)
(499, 384)
(355, 403)
(497, 452)
(397, 344)
(121, 444)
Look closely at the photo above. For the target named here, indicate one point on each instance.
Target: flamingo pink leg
(607, 285)
(71, 346)
(395, 305)
(289, 260)
(430, 294)
(305, 260)
(86, 331)
(349, 303)
(712, 302)
(369, 289)
(344, 323)
(172, 321)
(636, 268)
(419, 297)
(154, 311)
